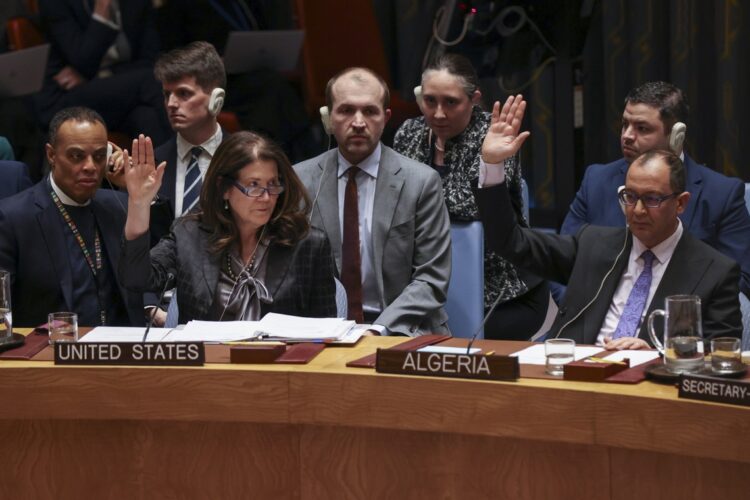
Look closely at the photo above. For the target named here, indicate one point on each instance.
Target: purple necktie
(631, 315)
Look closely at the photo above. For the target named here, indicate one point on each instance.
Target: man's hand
(142, 177)
(371, 333)
(68, 78)
(114, 171)
(625, 343)
(503, 140)
(160, 318)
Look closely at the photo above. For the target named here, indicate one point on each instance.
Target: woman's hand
(503, 140)
(142, 177)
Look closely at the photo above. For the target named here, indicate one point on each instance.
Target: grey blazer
(299, 278)
(411, 237)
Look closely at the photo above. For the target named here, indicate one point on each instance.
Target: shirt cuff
(491, 174)
(105, 21)
(380, 329)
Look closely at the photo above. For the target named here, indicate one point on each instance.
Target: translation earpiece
(622, 205)
(325, 119)
(216, 101)
(677, 137)
(418, 95)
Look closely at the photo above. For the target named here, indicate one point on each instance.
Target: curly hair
(288, 223)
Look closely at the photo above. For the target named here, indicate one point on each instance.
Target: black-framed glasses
(648, 200)
(257, 191)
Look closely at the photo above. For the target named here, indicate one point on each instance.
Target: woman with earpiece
(248, 251)
(449, 137)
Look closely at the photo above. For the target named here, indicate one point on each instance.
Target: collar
(64, 198)
(369, 165)
(664, 250)
(210, 146)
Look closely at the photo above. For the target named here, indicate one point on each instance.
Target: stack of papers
(284, 327)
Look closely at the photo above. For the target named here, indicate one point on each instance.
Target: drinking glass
(558, 352)
(63, 327)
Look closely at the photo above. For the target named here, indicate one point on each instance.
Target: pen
(602, 360)
(489, 353)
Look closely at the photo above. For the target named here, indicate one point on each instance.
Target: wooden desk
(326, 431)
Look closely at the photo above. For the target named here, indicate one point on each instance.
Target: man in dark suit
(383, 213)
(615, 276)
(60, 239)
(654, 118)
(14, 178)
(101, 56)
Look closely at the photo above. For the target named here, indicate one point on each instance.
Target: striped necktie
(193, 181)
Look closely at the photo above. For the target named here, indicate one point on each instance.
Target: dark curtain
(701, 46)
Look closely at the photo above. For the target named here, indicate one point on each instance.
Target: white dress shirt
(366, 182)
(662, 255)
(183, 159)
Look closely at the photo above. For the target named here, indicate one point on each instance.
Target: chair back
(465, 304)
(342, 305)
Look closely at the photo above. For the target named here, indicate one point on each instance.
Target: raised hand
(142, 176)
(503, 140)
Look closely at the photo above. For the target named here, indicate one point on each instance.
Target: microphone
(484, 322)
(167, 285)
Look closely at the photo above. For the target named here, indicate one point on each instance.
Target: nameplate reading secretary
(130, 353)
(433, 364)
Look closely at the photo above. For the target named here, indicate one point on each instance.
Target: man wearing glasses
(615, 276)
(654, 118)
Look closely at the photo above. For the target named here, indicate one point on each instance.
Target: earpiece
(216, 101)
(325, 119)
(418, 95)
(110, 149)
(677, 137)
(619, 201)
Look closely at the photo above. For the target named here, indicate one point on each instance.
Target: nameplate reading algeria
(433, 364)
(719, 390)
(129, 353)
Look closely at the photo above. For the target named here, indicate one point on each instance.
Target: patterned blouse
(461, 159)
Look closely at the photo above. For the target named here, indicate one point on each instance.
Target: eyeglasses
(257, 191)
(648, 200)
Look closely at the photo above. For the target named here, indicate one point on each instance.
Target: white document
(124, 334)
(275, 326)
(636, 357)
(534, 355)
(448, 350)
(214, 331)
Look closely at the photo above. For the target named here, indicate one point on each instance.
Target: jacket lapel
(51, 227)
(387, 192)
(277, 267)
(327, 212)
(693, 184)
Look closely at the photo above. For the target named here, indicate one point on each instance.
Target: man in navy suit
(654, 118)
(60, 239)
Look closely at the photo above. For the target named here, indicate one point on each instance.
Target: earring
(226, 205)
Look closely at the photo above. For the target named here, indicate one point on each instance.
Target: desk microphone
(484, 322)
(167, 285)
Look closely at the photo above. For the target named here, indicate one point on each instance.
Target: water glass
(726, 355)
(63, 327)
(558, 352)
(6, 316)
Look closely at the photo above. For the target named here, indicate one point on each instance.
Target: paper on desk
(636, 357)
(285, 327)
(124, 334)
(448, 350)
(214, 331)
(534, 355)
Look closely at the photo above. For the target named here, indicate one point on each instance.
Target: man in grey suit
(383, 213)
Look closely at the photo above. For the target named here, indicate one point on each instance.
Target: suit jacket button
(413, 329)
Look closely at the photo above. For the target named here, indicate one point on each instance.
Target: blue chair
(173, 313)
(342, 305)
(14, 178)
(465, 303)
(744, 302)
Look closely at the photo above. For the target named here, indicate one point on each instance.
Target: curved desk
(326, 431)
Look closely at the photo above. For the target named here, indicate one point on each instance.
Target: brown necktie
(351, 262)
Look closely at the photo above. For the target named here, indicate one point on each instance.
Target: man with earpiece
(383, 213)
(654, 118)
(615, 276)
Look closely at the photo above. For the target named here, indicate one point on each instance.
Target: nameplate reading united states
(130, 353)
(719, 390)
(452, 365)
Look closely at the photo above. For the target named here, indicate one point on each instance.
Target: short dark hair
(76, 113)
(197, 59)
(288, 223)
(676, 167)
(459, 67)
(667, 98)
(358, 78)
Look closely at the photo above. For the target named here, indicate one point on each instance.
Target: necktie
(351, 261)
(631, 315)
(193, 181)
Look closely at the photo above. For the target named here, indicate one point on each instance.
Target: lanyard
(94, 266)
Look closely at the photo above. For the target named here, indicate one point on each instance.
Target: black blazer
(14, 178)
(299, 278)
(582, 261)
(33, 249)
